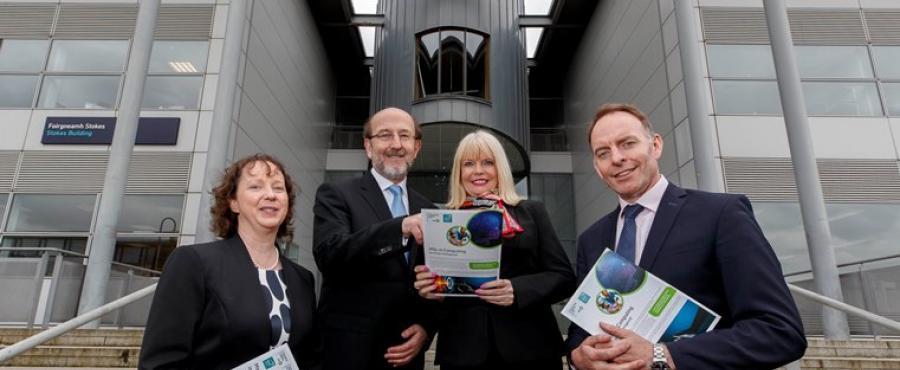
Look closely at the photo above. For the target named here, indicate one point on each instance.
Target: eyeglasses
(387, 136)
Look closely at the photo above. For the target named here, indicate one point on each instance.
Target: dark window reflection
(477, 65)
(452, 70)
(149, 253)
(452, 61)
(427, 65)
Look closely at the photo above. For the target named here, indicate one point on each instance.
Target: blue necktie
(627, 239)
(398, 209)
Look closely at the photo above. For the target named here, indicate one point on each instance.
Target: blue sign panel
(99, 130)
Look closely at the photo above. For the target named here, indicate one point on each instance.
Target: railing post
(54, 283)
(38, 285)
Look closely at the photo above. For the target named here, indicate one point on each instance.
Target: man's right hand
(597, 352)
(412, 227)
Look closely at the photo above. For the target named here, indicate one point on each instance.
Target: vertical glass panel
(892, 98)
(17, 91)
(88, 55)
(746, 98)
(833, 62)
(532, 40)
(149, 253)
(151, 214)
(367, 35)
(178, 57)
(23, 55)
(364, 6)
(427, 65)
(51, 212)
(538, 7)
(887, 61)
(74, 244)
(740, 61)
(452, 65)
(172, 92)
(91, 92)
(477, 76)
(3, 200)
(841, 99)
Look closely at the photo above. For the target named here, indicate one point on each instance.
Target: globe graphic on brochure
(485, 228)
(616, 273)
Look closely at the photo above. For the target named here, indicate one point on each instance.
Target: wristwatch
(659, 358)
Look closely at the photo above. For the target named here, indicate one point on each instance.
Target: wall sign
(99, 130)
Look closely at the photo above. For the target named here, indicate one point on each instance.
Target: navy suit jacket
(367, 296)
(709, 246)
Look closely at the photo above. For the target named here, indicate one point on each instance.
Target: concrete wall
(628, 54)
(287, 102)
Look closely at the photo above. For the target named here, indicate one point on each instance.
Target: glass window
(151, 214)
(51, 212)
(858, 231)
(427, 65)
(3, 200)
(23, 55)
(833, 62)
(477, 65)
(88, 55)
(892, 98)
(887, 61)
(150, 253)
(172, 92)
(17, 91)
(452, 67)
(92, 92)
(841, 99)
(178, 57)
(74, 244)
(746, 97)
(739, 61)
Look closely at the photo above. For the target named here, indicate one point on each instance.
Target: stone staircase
(82, 348)
(110, 348)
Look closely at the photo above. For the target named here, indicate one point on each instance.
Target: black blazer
(209, 312)
(541, 275)
(709, 246)
(367, 297)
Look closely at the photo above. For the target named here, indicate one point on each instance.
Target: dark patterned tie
(627, 239)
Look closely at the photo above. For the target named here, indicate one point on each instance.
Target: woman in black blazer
(223, 303)
(510, 325)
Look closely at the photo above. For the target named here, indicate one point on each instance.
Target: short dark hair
(367, 127)
(609, 108)
(224, 221)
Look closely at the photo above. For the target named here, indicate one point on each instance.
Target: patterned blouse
(278, 306)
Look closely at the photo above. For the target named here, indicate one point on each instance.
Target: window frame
(421, 96)
(200, 73)
(38, 73)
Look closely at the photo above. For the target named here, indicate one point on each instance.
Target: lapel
(608, 231)
(665, 217)
(374, 196)
(244, 275)
(294, 285)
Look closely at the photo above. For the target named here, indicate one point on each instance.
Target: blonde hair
(472, 146)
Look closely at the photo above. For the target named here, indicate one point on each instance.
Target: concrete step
(80, 337)
(838, 363)
(78, 356)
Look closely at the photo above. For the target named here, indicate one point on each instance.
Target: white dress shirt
(644, 220)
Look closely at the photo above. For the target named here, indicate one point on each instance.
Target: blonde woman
(510, 325)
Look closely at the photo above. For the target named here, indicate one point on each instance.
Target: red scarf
(491, 200)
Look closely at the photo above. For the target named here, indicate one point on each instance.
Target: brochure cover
(279, 358)
(620, 293)
(463, 248)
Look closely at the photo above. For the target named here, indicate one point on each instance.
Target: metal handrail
(44, 249)
(852, 310)
(842, 265)
(39, 338)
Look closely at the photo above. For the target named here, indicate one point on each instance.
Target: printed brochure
(463, 248)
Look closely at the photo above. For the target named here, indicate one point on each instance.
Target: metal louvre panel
(159, 172)
(61, 172)
(96, 21)
(8, 162)
(826, 27)
(843, 180)
(884, 26)
(26, 20)
(184, 22)
(734, 25)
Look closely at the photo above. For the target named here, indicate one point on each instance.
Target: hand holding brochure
(279, 358)
(463, 248)
(616, 291)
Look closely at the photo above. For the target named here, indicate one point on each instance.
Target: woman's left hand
(499, 292)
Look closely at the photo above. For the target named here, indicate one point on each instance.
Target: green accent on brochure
(484, 265)
(662, 301)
